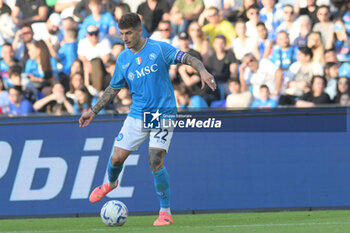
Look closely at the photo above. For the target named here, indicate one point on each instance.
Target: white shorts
(132, 135)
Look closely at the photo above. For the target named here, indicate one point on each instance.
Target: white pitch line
(212, 226)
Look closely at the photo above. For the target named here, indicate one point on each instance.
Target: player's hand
(208, 79)
(86, 118)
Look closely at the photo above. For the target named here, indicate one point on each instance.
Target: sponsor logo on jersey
(147, 70)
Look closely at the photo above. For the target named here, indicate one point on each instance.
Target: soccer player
(144, 65)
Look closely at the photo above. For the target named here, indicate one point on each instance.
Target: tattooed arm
(107, 97)
(206, 77)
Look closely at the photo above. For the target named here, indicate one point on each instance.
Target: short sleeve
(171, 55)
(118, 80)
(231, 56)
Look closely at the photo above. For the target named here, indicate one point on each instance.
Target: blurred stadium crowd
(57, 56)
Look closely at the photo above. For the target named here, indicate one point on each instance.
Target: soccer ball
(114, 213)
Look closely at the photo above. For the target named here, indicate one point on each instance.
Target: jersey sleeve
(118, 80)
(171, 55)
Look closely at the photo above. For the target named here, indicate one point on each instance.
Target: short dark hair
(129, 20)
(264, 86)
(330, 64)
(331, 50)
(254, 6)
(17, 88)
(233, 80)
(321, 77)
(7, 44)
(260, 23)
(306, 51)
(15, 70)
(324, 6)
(123, 6)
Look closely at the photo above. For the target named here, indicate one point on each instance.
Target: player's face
(131, 37)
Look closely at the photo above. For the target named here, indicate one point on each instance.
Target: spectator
(164, 32)
(288, 24)
(82, 9)
(253, 73)
(68, 23)
(122, 8)
(330, 55)
(331, 74)
(302, 71)
(199, 41)
(242, 44)
(7, 60)
(185, 100)
(41, 68)
(324, 26)
(28, 12)
(303, 31)
(16, 78)
(310, 10)
(66, 7)
(77, 67)
(95, 78)
(253, 14)
(56, 103)
(222, 64)
(4, 8)
(83, 100)
(7, 25)
(76, 80)
(242, 12)
(344, 99)
(316, 96)
(21, 42)
(123, 101)
(4, 96)
(110, 67)
(68, 51)
(283, 54)
(189, 76)
(216, 26)
(342, 88)
(183, 12)
(93, 46)
(236, 98)
(264, 45)
(117, 48)
(341, 41)
(104, 21)
(346, 17)
(152, 12)
(264, 100)
(271, 14)
(314, 42)
(18, 105)
(49, 31)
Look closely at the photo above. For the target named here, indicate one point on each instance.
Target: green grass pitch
(336, 221)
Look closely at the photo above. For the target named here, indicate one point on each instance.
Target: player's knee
(155, 159)
(117, 161)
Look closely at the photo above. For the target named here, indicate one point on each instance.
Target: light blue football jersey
(147, 75)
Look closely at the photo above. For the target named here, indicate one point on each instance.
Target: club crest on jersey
(131, 76)
(152, 56)
(138, 60)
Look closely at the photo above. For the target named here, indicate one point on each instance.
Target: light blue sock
(161, 183)
(113, 171)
